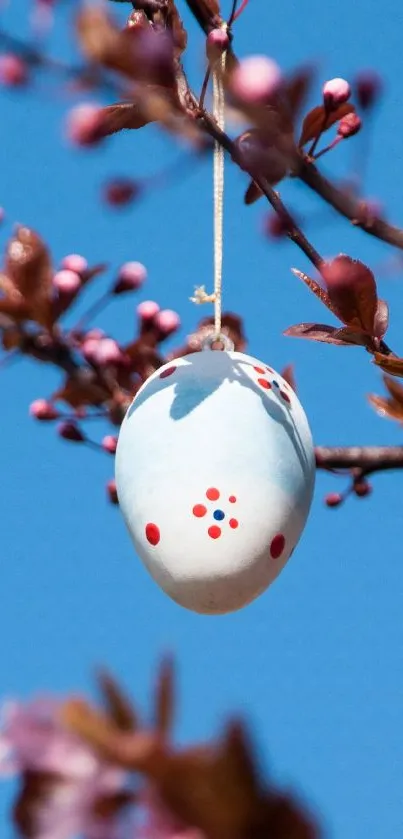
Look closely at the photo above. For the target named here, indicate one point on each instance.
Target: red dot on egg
(270, 369)
(199, 510)
(233, 523)
(232, 499)
(259, 369)
(212, 494)
(214, 531)
(167, 372)
(277, 546)
(285, 396)
(264, 383)
(152, 533)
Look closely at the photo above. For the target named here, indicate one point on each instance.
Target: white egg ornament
(215, 472)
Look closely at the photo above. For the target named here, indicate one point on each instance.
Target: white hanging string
(219, 114)
(201, 295)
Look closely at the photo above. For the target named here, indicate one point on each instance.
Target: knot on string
(201, 296)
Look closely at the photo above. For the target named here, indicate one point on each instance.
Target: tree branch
(367, 459)
(347, 205)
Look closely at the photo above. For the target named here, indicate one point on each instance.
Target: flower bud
(333, 499)
(41, 409)
(107, 351)
(66, 281)
(131, 277)
(335, 92)
(13, 71)
(120, 192)
(256, 79)
(112, 492)
(217, 42)
(147, 310)
(75, 262)
(362, 488)
(349, 125)
(167, 322)
(84, 124)
(70, 431)
(109, 443)
(368, 87)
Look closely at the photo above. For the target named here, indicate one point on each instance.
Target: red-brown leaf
(29, 271)
(386, 407)
(381, 319)
(126, 50)
(252, 194)
(351, 288)
(314, 122)
(323, 333)
(122, 115)
(118, 707)
(297, 88)
(28, 264)
(395, 389)
(164, 699)
(315, 287)
(390, 364)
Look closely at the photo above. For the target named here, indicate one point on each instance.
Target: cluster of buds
(109, 373)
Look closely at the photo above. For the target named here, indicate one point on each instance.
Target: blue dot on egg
(219, 515)
(276, 384)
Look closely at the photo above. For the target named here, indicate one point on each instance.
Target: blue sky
(316, 663)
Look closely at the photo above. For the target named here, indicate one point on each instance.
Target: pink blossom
(75, 262)
(66, 281)
(132, 275)
(335, 92)
(32, 740)
(256, 79)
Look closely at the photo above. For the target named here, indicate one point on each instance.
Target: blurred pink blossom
(33, 740)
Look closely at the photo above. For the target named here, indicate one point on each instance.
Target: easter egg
(215, 472)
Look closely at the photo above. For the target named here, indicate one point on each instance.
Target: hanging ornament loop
(223, 341)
